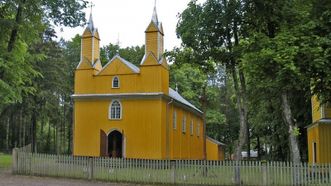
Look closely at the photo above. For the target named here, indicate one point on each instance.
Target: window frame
(174, 120)
(110, 110)
(192, 128)
(198, 129)
(118, 82)
(184, 124)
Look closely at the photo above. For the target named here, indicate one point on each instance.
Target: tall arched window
(115, 110)
(116, 82)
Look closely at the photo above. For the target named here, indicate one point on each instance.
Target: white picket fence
(194, 172)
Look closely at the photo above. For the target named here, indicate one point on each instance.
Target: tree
(134, 54)
(22, 25)
(274, 57)
(213, 31)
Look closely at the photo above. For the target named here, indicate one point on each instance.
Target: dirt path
(7, 179)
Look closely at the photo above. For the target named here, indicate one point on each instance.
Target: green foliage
(133, 54)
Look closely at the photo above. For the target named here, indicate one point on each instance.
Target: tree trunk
(18, 21)
(258, 148)
(242, 140)
(288, 118)
(34, 132)
(7, 134)
(203, 101)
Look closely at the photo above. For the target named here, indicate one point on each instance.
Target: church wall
(96, 49)
(84, 82)
(325, 142)
(185, 145)
(152, 43)
(140, 125)
(87, 48)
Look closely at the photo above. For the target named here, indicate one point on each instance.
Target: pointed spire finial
(90, 23)
(154, 16)
(118, 44)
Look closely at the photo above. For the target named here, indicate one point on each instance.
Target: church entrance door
(115, 144)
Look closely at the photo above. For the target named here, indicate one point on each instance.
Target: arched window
(116, 82)
(115, 110)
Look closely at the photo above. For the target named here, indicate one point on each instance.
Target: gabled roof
(131, 66)
(215, 141)
(175, 95)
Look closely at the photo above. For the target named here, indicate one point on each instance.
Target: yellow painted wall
(214, 151)
(313, 136)
(90, 42)
(185, 145)
(141, 124)
(325, 143)
(320, 133)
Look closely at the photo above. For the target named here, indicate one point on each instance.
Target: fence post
(237, 173)
(264, 172)
(173, 171)
(90, 168)
(15, 161)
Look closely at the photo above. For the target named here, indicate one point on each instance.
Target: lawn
(5, 160)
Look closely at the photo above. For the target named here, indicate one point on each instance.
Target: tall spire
(90, 23)
(154, 16)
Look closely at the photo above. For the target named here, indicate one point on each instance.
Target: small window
(314, 153)
(184, 124)
(175, 120)
(191, 128)
(198, 129)
(116, 82)
(115, 111)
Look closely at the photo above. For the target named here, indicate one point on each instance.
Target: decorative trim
(131, 66)
(119, 95)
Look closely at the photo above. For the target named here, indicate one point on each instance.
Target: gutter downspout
(168, 131)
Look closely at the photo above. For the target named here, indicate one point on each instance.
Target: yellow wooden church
(121, 110)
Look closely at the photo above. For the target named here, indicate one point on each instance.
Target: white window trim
(184, 124)
(174, 122)
(109, 110)
(192, 128)
(112, 82)
(198, 129)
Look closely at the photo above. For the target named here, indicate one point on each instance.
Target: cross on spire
(118, 44)
(90, 23)
(91, 6)
(154, 16)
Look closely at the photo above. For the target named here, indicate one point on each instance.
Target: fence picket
(194, 172)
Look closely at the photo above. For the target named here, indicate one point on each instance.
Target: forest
(251, 66)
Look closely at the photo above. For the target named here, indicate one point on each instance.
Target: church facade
(122, 110)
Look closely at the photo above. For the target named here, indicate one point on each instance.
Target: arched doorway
(115, 144)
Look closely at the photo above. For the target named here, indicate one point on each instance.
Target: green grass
(5, 160)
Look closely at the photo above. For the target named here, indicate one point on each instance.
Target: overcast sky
(128, 19)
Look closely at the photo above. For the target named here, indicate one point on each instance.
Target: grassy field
(5, 160)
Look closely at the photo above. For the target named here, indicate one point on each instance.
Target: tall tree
(213, 31)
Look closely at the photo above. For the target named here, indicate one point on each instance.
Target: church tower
(154, 43)
(90, 46)
(154, 62)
